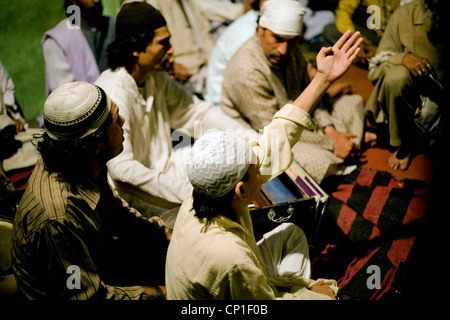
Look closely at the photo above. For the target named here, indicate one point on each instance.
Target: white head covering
(75, 110)
(217, 162)
(283, 17)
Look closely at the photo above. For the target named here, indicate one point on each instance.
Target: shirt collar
(91, 191)
(225, 223)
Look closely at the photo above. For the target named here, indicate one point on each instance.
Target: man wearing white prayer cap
(272, 71)
(73, 237)
(213, 253)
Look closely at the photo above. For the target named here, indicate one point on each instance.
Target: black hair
(67, 3)
(208, 208)
(120, 51)
(69, 159)
(255, 5)
(8, 141)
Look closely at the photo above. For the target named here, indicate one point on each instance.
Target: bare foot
(398, 164)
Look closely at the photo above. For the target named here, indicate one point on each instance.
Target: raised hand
(333, 62)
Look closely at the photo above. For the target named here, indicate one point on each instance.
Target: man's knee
(397, 79)
(293, 230)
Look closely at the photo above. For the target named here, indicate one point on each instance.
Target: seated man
(150, 174)
(213, 253)
(270, 70)
(358, 15)
(406, 73)
(189, 22)
(73, 237)
(229, 41)
(77, 53)
(235, 35)
(17, 150)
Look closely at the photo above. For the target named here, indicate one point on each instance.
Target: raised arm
(332, 63)
(274, 146)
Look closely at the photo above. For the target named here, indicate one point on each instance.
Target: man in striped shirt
(73, 237)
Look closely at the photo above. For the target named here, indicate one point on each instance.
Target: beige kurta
(222, 260)
(253, 90)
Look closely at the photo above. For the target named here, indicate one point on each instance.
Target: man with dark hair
(272, 71)
(190, 23)
(150, 173)
(73, 237)
(213, 253)
(75, 49)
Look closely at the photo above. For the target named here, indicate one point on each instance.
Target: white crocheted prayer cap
(75, 110)
(282, 17)
(217, 162)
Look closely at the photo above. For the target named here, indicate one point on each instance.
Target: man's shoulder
(408, 9)
(248, 58)
(45, 198)
(59, 32)
(117, 82)
(248, 49)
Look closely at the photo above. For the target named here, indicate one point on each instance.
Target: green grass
(22, 25)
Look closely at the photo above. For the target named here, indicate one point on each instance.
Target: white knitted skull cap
(282, 17)
(75, 110)
(217, 162)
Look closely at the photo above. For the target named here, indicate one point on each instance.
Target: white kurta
(149, 172)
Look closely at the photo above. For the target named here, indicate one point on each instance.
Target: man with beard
(75, 50)
(272, 71)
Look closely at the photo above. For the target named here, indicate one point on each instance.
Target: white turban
(217, 162)
(283, 17)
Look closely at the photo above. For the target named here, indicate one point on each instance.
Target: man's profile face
(277, 48)
(114, 144)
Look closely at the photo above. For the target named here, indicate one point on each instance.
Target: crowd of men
(120, 92)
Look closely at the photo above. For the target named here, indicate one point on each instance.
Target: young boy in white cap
(73, 237)
(213, 253)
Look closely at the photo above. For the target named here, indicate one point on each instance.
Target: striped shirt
(83, 242)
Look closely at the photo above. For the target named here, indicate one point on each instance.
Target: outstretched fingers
(344, 43)
(354, 50)
(349, 45)
(342, 40)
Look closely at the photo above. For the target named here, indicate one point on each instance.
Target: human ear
(239, 189)
(260, 31)
(100, 147)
